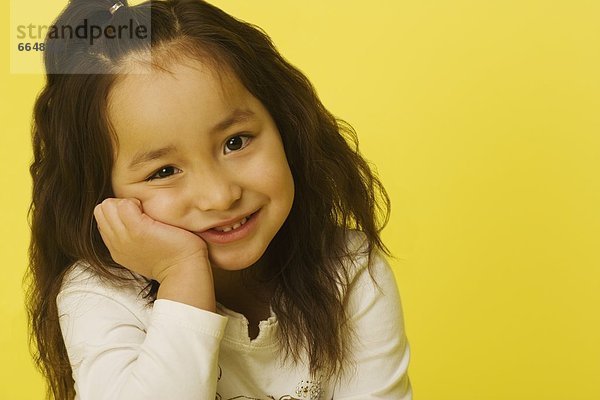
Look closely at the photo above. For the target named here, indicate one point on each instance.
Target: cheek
(161, 206)
(263, 166)
(288, 187)
(283, 182)
(283, 175)
(276, 179)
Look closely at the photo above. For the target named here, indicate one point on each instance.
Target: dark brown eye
(236, 143)
(164, 172)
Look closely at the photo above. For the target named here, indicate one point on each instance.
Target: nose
(214, 190)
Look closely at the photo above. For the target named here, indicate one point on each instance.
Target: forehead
(187, 96)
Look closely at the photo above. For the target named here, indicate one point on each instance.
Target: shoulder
(371, 283)
(360, 263)
(379, 350)
(79, 276)
(82, 284)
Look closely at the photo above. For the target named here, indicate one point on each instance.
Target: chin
(233, 263)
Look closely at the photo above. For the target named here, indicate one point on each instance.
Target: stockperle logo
(34, 31)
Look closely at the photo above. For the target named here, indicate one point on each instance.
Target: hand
(144, 245)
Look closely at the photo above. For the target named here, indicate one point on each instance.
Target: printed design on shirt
(305, 390)
(309, 390)
(286, 397)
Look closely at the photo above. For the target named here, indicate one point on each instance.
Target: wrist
(189, 283)
(196, 263)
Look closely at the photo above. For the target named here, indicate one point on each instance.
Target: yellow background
(483, 118)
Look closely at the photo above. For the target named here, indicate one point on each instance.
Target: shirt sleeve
(380, 349)
(119, 351)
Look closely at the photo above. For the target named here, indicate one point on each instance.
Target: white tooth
(235, 226)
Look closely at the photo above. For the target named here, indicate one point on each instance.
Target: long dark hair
(335, 188)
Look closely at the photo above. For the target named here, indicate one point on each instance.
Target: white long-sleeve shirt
(120, 347)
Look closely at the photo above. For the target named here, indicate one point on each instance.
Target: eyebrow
(235, 117)
(147, 156)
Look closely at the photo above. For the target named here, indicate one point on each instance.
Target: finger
(139, 203)
(103, 227)
(101, 219)
(111, 213)
(130, 212)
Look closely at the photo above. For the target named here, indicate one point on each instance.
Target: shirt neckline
(236, 331)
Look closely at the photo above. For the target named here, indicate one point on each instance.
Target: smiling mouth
(228, 228)
(231, 227)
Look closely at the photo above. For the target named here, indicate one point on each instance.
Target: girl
(201, 228)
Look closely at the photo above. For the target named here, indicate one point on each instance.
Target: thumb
(133, 216)
(138, 203)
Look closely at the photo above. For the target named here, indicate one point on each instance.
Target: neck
(235, 289)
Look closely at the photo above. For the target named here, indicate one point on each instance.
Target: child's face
(193, 166)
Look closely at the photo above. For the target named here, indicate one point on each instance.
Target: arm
(119, 350)
(174, 353)
(380, 351)
(176, 258)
